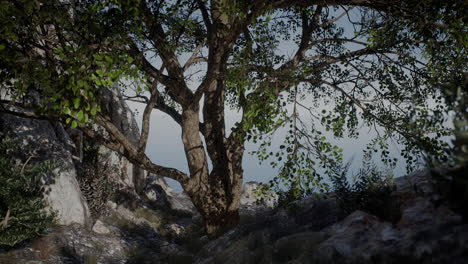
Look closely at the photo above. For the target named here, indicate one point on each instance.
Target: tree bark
(215, 194)
(218, 203)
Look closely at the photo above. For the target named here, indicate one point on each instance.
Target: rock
(123, 118)
(297, 246)
(156, 194)
(100, 228)
(428, 232)
(182, 202)
(70, 244)
(112, 205)
(46, 141)
(317, 213)
(418, 181)
(175, 229)
(250, 197)
(155, 179)
(423, 212)
(347, 237)
(158, 191)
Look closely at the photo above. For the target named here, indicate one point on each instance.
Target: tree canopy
(399, 65)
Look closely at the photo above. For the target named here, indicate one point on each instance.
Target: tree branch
(193, 59)
(4, 222)
(145, 124)
(148, 67)
(337, 18)
(177, 89)
(122, 145)
(206, 16)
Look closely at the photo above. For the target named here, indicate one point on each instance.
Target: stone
(418, 181)
(317, 213)
(157, 191)
(156, 194)
(250, 197)
(176, 229)
(182, 202)
(43, 140)
(123, 118)
(112, 205)
(156, 179)
(295, 245)
(100, 228)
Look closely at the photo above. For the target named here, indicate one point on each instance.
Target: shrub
(95, 178)
(372, 192)
(22, 209)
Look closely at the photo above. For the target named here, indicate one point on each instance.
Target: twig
(4, 222)
(24, 165)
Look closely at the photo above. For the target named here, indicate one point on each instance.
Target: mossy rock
(155, 219)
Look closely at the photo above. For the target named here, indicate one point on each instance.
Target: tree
(68, 51)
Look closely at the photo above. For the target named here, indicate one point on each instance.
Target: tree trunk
(219, 204)
(215, 194)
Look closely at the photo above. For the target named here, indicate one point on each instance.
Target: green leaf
(74, 124)
(76, 103)
(80, 116)
(66, 110)
(100, 73)
(108, 59)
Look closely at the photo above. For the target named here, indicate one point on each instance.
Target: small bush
(95, 178)
(289, 200)
(22, 209)
(372, 192)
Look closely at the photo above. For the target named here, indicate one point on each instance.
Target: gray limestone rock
(100, 228)
(123, 118)
(250, 196)
(41, 141)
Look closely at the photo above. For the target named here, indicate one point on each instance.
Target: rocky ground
(428, 231)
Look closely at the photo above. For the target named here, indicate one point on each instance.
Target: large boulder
(163, 196)
(123, 118)
(42, 140)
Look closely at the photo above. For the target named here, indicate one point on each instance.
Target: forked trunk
(218, 200)
(215, 194)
